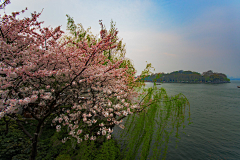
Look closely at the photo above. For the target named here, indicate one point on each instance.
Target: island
(188, 77)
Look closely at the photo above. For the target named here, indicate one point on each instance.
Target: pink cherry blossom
(45, 71)
(104, 132)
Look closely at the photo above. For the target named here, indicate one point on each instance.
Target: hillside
(188, 77)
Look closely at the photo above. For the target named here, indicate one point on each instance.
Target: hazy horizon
(230, 77)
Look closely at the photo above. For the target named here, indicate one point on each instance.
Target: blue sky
(197, 35)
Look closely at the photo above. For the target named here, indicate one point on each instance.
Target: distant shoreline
(192, 82)
(208, 77)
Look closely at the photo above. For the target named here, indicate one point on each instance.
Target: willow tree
(146, 129)
(77, 81)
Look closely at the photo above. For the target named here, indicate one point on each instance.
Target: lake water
(215, 113)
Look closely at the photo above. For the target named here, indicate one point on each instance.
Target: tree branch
(24, 130)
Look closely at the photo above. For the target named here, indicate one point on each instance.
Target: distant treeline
(188, 77)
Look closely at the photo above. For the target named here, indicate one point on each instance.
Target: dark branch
(24, 130)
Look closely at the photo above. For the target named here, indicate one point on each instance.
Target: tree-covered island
(188, 77)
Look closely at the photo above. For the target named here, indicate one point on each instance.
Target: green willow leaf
(148, 132)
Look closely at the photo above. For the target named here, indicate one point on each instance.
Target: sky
(172, 35)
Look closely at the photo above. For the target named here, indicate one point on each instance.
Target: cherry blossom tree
(74, 81)
(77, 80)
(154, 107)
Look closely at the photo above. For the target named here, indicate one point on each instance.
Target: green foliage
(187, 76)
(207, 79)
(14, 145)
(109, 150)
(63, 157)
(91, 150)
(145, 73)
(149, 126)
(227, 79)
(161, 117)
(79, 33)
(127, 63)
(149, 130)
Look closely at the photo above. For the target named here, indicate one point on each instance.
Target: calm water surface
(215, 113)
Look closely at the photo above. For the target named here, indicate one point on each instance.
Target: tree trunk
(35, 141)
(6, 132)
(7, 124)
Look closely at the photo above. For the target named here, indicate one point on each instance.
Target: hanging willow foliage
(149, 130)
(150, 127)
